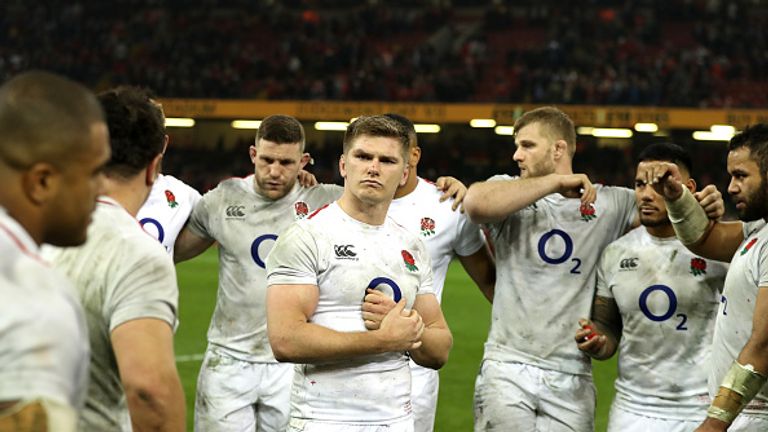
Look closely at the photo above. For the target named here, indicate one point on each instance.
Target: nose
(733, 187)
(518, 155)
(374, 166)
(274, 170)
(646, 192)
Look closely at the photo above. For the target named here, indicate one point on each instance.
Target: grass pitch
(467, 312)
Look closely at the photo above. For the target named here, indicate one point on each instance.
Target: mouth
(648, 210)
(274, 184)
(740, 205)
(371, 183)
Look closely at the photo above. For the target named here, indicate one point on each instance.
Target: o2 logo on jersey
(671, 309)
(255, 248)
(160, 231)
(568, 244)
(380, 282)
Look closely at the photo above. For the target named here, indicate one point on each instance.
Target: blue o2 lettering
(255, 248)
(724, 301)
(643, 302)
(156, 224)
(566, 253)
(396, 293)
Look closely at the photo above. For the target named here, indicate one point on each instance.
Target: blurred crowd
(702, 53)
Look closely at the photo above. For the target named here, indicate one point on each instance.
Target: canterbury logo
(628, 263)
(235, 211)
(344, 251)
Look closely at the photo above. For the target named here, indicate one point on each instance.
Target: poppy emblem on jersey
(171, 199)
(587, 212)
(698, 266)
(410, 264)
(427, 226)
(302, 209)
(749, 246)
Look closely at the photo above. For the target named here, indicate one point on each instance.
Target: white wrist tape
(689, 220)
(739, 386)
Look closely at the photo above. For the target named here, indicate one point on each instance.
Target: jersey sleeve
(605, 266)
(469, 238)
(145, 289)
(426, 284)
(294, 260)
(762, 265)
(626, 205)
(199, 220)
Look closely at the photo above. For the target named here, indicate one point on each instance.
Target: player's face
(534, 151)
(747, 186)
(373, 168)
(276, 167)
(79, 185)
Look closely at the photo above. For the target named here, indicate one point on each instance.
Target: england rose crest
(587, 212)
(410, 264)
(427, 226)
(171, 198)
(302, 209)
(698, 266)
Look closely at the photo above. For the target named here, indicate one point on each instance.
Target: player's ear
(404, 179)
(560, 149)
(252, 153)
(41, 181)
(153, 170)
(305, 158)
(690, 184)
(166, 140)
(342, 167)
(414, 156)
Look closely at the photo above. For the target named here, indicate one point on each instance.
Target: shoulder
(113, 228)
(169, 181)
(329, 192)
(614, 192)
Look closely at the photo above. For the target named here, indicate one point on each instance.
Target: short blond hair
(556, 124)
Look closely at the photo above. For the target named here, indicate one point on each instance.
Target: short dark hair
(281, 129)
(667, 152)
(755, 138)
(45, 117)
(136, 129)
(377, 126)
(556, 124)
(407, 124)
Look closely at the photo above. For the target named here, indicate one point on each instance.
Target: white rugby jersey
(167, 209)
(43, 337)
(444, 231)
(546, 255)
(343, 256)
(668, 299)
(246, 225)
(121, 273)
(747, 274)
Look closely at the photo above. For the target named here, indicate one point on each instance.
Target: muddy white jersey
(167, 209)
(43, 336)
(246, 226)
(546, 255)
(121, 274)
(748, 275)
(668, 299)
(444, 231)
(343, 257)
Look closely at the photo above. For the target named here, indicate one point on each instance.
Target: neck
(661, 231)
(130, 194)
(410, 184)
(370, 213)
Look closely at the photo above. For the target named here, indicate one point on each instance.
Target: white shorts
(519, 397)
(620, 420)
(748, 423)
(301, 425)
(424, 387)
(238, 395)
(38, 415)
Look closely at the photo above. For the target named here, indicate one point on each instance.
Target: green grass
(467, 312)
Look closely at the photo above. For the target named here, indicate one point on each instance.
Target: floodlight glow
(646, 127)
(331, 126)
(482, 123)
(711, 136)
(246, 124)
(426, 128)
(723, 130)
(504, 130)
(612, 133)
(584, 130)
(181, 122)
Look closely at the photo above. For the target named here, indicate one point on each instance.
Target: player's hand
(664, 177)
(712, 425)
(402, 328)
(452, 188)
(712, 201)
(306, 178)
(376, 305)
(577, 186)
(588, 339)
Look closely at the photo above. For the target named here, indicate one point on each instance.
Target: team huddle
(328, 313)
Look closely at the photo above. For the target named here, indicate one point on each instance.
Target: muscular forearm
(158, 405)
(611, 341)
(189, 245)
(493, 201)
(436, 343)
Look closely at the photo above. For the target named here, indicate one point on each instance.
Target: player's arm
(482, 269)
(747, 374)
(144, 353)
(189, 245)
(599, 337)
(294, 339)
(452, 187)
(691, 216)
(436, 341)
(494, 200)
